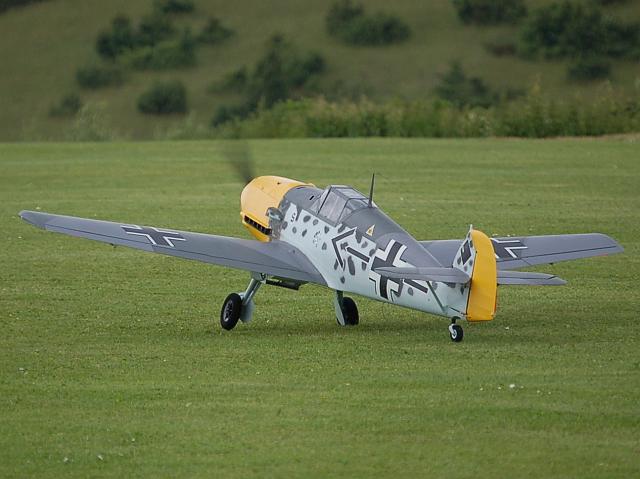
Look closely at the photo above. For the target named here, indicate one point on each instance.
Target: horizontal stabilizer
(528, 278)
(443, 275)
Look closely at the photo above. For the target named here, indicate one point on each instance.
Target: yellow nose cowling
(483, 294)
(258, 196)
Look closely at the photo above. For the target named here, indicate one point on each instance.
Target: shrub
(7, 4)
(68, 105)
(461, 91)
(174, 6)
(300, 69)
(279, 74)
(280, 71)
(153, 29)
(532, 116)
(164, 98)
(501, 48)
(178, 53)
(120, 39)
(589, 69)
(214, 32)
(341, 14)
(377, 29)
(98, 76)
(92, 124)
(235, 81)
(349, 22)
(124, 38)
(490, 12)
(226, 113)
(575, 30)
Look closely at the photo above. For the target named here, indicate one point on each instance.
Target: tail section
(476, 258)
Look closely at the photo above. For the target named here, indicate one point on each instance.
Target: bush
(377, 29)
(164, 98)
(97, 76)
(279, 74)
(153, 29)
(349, 22)
(462, 91)
(92, 124)
(280, 71)
(120, 39)
(300, 69)
(235, 81)
(214, 32)
(576, 30)
(589, 69)
(7, 4)
(174, 6)
(340, 16)
(68, 105)
(501, 48)
(532, 116)
(226, 113)
(165, 55)
(490, 12)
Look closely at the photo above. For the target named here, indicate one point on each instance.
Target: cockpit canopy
(337, 202)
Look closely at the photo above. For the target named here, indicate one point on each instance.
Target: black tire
(230, 312)
(350, 312)
(456, 333)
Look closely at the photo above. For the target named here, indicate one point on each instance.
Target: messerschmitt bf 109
(337, 237)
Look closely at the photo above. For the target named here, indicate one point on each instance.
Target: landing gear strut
(346, 310)
(240, 306)
(455, 331)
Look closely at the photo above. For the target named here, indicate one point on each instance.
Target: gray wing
(275, 258)
(523, 251)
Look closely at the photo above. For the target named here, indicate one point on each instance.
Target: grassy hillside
(112, 363)
(43, 45)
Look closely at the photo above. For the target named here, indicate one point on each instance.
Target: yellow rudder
(481, 305)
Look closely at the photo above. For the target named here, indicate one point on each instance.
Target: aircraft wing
(275, 258)
(523, 251)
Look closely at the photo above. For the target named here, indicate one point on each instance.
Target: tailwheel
(455, 332)
(231, 311)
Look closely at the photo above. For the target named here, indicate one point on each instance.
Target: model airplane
(337, 237)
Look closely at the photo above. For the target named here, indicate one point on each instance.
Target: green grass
(112, 363)
(43, 45)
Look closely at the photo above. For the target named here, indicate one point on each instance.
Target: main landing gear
(346, 310)
(240, 306)
(455, 331)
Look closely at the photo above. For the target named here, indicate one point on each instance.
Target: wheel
(231, 310)
(456, 333)
(350, 312)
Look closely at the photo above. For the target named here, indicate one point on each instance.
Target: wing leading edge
(520, 252)
(274, 258)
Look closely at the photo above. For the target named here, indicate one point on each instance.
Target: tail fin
(477, 259)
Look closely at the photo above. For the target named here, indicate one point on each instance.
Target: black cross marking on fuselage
(504, 248)
(392, 255)
(155, 236)
(335, 242)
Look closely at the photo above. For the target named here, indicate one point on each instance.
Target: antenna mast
(373, 180)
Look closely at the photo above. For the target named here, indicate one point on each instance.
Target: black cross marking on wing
(155, 236)
(505, 248)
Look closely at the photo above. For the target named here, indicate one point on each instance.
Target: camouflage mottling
(351, 266)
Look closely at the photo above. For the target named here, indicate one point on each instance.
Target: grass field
(112, 362)
(44, 44)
